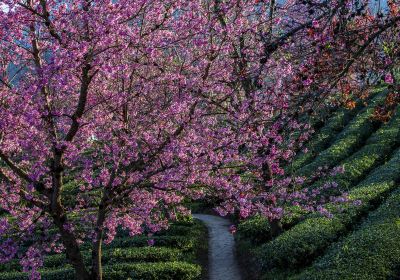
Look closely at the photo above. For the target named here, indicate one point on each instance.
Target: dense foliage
(371, 175)
(115, 113)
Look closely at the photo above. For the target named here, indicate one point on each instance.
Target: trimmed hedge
(183, 228)
(143, 254)
(178, 244)
(142, 271)
(144, 262)
(354, 134)
(376, 149)
(154, 271)
(298, 246)
(182, 242)
(372, 252)
(324, 136)
(379, 145)
(59, 274)
(255, 230)
(188, 228)
(328, 132)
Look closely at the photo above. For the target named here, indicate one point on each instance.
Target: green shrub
(298, 246)
(135, 249)
(184, 243)
(180, 230)
(143, 254)
(123, 271)
(154, 271)
(347, 141)
(379, 145)
(323, 137)
(256, 230)
(377, 148)
(58, 274)
(372, 252)
(187, 228)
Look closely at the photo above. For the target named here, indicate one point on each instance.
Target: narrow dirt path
(222, 261)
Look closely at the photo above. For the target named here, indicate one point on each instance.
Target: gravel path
(222, 261)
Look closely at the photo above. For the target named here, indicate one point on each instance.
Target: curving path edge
(222, 258)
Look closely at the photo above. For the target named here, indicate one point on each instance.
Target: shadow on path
(222, 257)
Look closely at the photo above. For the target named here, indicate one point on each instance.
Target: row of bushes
(181, 235)
(139, 261)
(337, 120)
(257, 230)
(370, 253)
(298, 246)
(182, 242)
(348, 141)
(123, 271)
(376, 149)
(115, 255)
(182, 226)
(186, 243)
(135, 249)
(325, 135)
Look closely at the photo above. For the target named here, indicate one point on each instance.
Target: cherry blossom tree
(314, 53)
(113, 112)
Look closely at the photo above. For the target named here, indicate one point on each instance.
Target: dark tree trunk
(60, 219)
(276, 228)
(72, 249)
(266, 172)
(97, 270)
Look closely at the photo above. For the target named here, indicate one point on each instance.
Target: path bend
(222, 258)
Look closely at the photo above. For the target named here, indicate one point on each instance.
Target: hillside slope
(352, 244)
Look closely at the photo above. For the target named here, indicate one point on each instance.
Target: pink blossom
(232, 229)
(389, 78)
(315, 23)
(122, 111)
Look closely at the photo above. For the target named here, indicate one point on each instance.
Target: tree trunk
(266, 172)
(68, 238)
(72, 249)
(97, 270)
(276, 228)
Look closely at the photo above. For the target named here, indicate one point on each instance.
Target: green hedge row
(378, 146)
(182, 242)
(181, 247)
(351, 137)
(370, 253)
(298, 246)
(324, 136)
(182, 228)
(123, 271)
(376, 149)
(143, 254)
(156, 271)
(256, 230)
